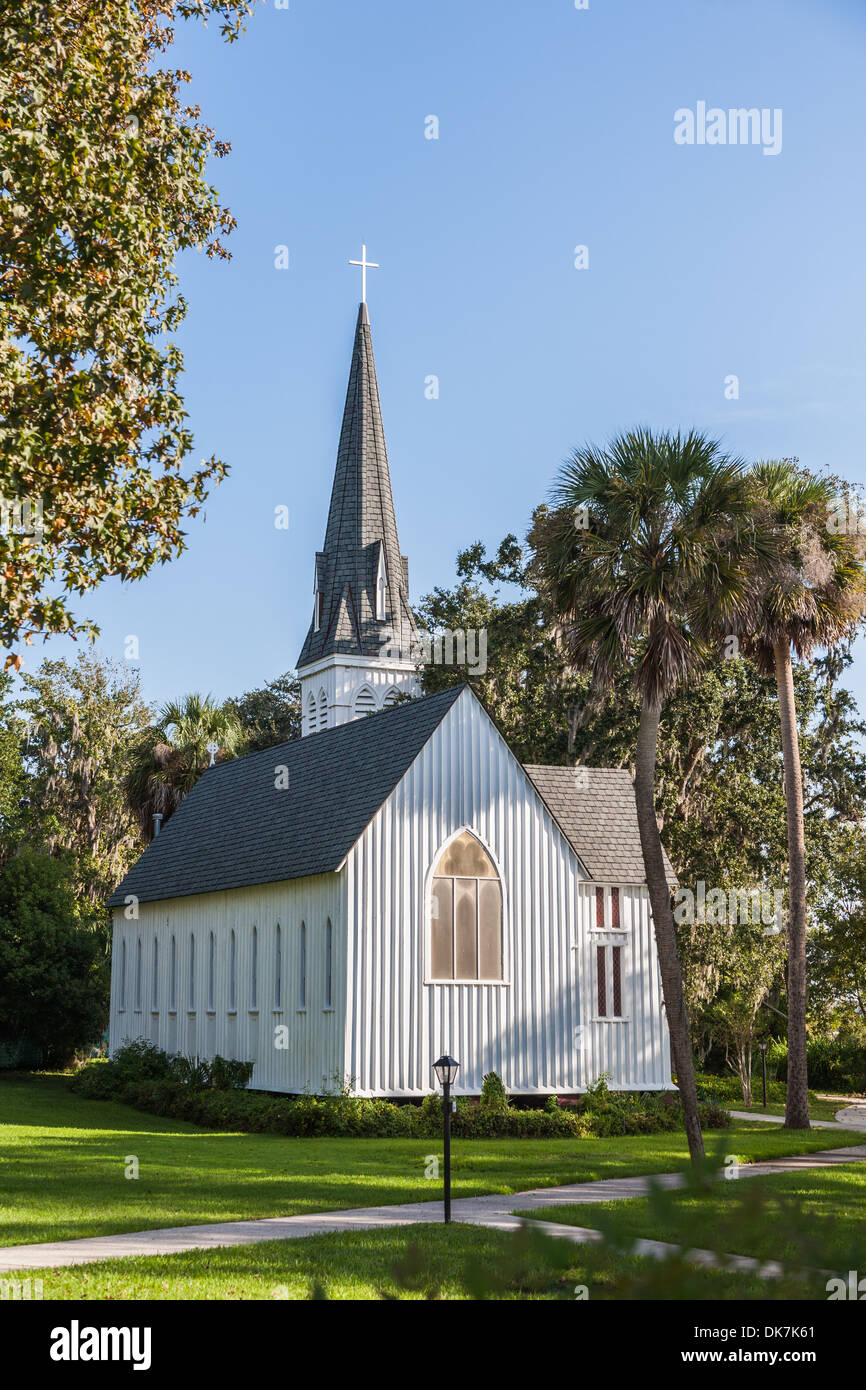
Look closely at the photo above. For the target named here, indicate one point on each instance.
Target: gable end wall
(538, 1029)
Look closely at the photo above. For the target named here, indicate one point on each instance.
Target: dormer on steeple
(381, 585)
(361, 649)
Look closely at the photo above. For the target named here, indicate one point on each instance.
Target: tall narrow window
(211, 973)
(302, 988)
(233, 972)
(138, 976)
(312, 713)
(191, 1001)
(323, 710)
(278, 970)
(609, 981)
(329, 965)
(466, 914)
(172, 976)
(123, 976)
(615, 913)
(254, 971)
(154, 984)
(601, 963)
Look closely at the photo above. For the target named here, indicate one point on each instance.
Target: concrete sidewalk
(494, 1211)
(850, 1117)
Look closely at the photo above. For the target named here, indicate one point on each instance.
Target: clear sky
(556, 130)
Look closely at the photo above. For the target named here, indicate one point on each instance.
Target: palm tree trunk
(663, 922)
(797, 1094)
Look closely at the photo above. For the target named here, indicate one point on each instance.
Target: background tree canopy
(720, 791)
(53, 965)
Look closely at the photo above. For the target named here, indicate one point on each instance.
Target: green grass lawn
(411, 1262)
(815, 1218)
(818, 1109)
(727, 1091)
(62, 1162)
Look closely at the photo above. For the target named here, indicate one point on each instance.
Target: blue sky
(556, 129)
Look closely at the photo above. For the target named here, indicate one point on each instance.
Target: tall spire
(361, 579)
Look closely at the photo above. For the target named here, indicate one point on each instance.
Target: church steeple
(362, 627)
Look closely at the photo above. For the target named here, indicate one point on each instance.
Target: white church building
(394, 884)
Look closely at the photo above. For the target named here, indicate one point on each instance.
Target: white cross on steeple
(365, 266)
(213, 749)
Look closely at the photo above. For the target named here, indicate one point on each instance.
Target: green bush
(713, 1116)
(141, 1075)
(141, 1061)
(834, 1064)
(494, 1097)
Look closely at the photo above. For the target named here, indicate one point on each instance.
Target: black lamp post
(446, 1074)
(763, 1047)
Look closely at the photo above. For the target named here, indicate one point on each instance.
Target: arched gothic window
(329, 965)
(465, 913)
(302, 990)
(323, 710)
(278, 970)
(211, 973)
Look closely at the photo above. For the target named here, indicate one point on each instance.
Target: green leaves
(662, 561)
(102, 183)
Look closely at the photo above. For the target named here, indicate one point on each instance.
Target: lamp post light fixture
(446, 1075)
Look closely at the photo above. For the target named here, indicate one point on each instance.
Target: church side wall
(253, 1019)
(538, 1029)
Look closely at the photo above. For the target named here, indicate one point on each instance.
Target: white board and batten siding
(538, 1027)
(195, 1024)
(385, 1022)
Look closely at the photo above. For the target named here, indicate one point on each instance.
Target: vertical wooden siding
(314, 1053)
(538, 1028)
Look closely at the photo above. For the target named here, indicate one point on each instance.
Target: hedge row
(834, 1064)
(308, 1116)
(600, 1113)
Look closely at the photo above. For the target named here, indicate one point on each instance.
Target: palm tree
(174, 753)
(645, 552)
(811, 595)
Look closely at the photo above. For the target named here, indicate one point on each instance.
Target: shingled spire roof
(361, 531)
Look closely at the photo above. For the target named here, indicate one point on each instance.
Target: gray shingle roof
(599, 820)
(236, 829)
(361, 522)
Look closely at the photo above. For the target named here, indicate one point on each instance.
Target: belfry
(360, 652)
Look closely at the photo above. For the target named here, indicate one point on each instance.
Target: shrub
(834, 1064)
(227, 1075)
(494, 1098)
(713, 1116)
(141, 1061)
(212, 1094)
